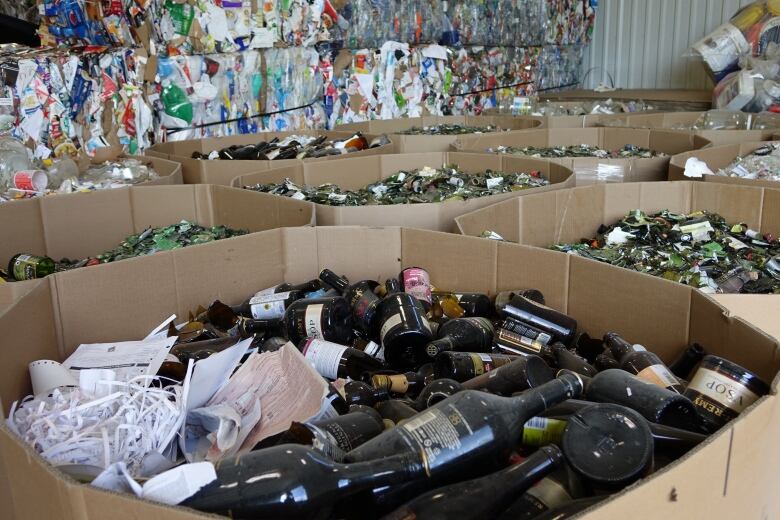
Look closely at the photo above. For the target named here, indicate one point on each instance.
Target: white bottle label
(270, 290)
(389, 323)
(268, 306)
(722, 389)
(324, 356)
(313, 318)
(375, 350)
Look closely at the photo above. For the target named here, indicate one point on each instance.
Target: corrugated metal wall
(641, 42)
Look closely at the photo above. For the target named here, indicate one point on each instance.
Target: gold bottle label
(659, 375)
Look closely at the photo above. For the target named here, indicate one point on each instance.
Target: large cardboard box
(169, 171)
(673, 100)
(590, 170)
(683, 121)
(195, 171)
(80, 225)
(718, 157)
(435, 143)
(566, 216)
(732, 475)
(760, 310)
(359, 172)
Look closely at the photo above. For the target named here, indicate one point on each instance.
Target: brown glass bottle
(292, 481)
(523, 329)
(469, 432)
(483, 497)
(268, 306)
(522, 373)
(333, 361)
(362, 300)
(404, 331)
(322, 318)
(462, 335)
(225, 318)
(653, 402)
(197, 350)
(462, 366)
(638, 361)
(557, 324)
(687, 360)
(357, 392)
(435, 391)
(335, 436)
(721, 390)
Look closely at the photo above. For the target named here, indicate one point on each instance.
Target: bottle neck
(617, 345)
(381, 472)
(334, 280)
(536, 400)
(518, 478)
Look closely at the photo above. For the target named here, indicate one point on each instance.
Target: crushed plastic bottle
(13, 158)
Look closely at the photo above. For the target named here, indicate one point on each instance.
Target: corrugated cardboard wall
(641, 43)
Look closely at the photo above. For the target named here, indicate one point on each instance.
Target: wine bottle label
(437, 433)
(719, 394)
(268, 306)
(375, 350)
(659, 375)
(549, 494)
(539, 431)
(417, 283)
(339, 436)
(324, 442)
(313, 321)
(522, 344)
(324, 356)
(389, 323)
(482, 363)
(270, 290)
(518, 327)
(25, 267)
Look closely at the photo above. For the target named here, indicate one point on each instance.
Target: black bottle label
(522, 329)
(326, 443)
(719, 395)
(437, 433)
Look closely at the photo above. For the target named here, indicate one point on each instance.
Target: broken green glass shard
(699, 249)
(419, 186)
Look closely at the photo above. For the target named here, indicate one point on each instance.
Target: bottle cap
(608, 444)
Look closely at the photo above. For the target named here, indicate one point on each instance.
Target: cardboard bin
(718, 157)
(590, 170)
(567, 216)
(731, 475)
(671, 100)
(169, 171)
(196, 171)
(435, 143)
(682, 121)
(80, 225)
(361, 171)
